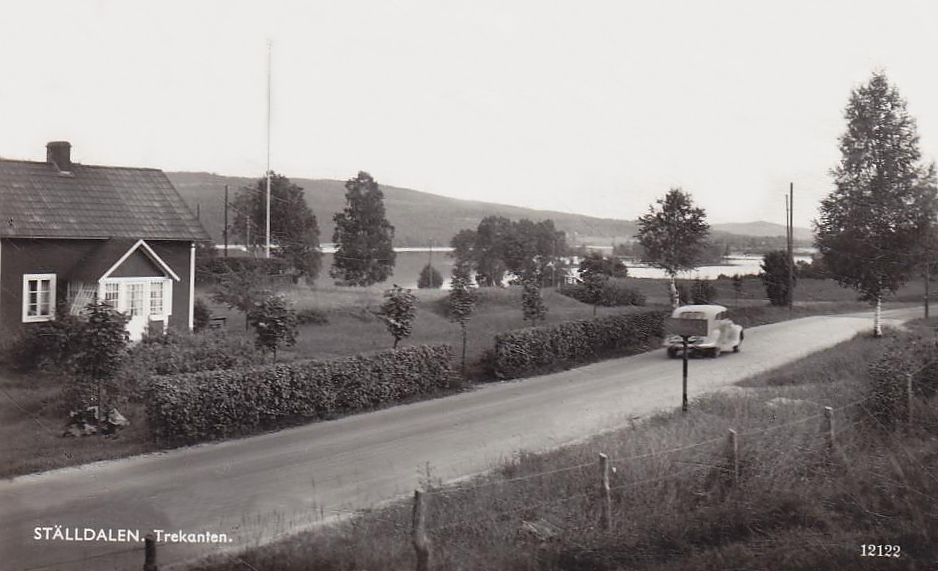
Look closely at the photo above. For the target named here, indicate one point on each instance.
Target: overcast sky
(588, 107)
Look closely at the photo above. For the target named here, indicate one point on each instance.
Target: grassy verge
(676, 501)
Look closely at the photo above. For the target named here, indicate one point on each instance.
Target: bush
(181, 353)
(614, 294)
(429, 278)
(216, 404)
(775, 274)
(201, 315)
(274, 323)
(524, 352)
(889, 377)
(703, 292)
(47, 345)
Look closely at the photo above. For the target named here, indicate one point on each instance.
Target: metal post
(684, 397)
(149, 553)
(829, 426)
(225, 232)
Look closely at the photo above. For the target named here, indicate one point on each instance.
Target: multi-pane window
(135, 299)
(38, 297)
(156, 298)
(111, 293)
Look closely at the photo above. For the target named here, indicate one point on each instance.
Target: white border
(52, 285)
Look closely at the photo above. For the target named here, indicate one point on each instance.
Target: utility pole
(269, 46)
(225, 231)
(790, 222)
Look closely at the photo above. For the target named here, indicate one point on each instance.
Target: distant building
(69, 231)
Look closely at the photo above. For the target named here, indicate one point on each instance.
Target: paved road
(254, 488)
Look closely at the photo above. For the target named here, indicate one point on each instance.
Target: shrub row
(614, 294)
(524, 352)
(215, 404)
(179, 353)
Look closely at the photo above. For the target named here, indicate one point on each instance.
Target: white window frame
(123, 299)
(39, 278)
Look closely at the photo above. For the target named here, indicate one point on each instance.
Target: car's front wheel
(672, 352)
(715, 352)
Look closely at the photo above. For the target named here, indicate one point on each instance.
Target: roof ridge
(83, 165)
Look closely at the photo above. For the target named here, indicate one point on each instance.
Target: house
(69, 231)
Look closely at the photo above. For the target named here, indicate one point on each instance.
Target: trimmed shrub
(216, 404)
(179, 353)
(524, 352)
(614, 294)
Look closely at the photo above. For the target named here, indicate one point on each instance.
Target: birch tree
(674, 236)
(872, 224)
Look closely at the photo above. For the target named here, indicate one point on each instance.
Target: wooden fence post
(606, 500)
(149, 553)
(732, 441)
(909, 395)
(420, 539)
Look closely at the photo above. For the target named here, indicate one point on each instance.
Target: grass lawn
(33, 418)
(676, 501)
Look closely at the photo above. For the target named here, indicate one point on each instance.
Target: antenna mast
(269, 46)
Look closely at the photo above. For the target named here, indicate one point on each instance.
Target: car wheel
(715, 352)
(736, 349)
(672, 353)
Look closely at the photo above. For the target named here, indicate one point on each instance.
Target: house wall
(20, 256)
(24, 256)
(176, 256)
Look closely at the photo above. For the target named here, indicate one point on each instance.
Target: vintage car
(722, 333)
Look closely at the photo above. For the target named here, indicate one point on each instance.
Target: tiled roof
(38, 201)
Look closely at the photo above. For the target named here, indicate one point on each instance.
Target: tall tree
(363, 236)
(492, 235)
(873, 222)
(294, 230)
(462, 301)
(674, 235)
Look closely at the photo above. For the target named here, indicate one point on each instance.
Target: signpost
(685, 328)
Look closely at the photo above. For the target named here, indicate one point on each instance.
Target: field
(679, 497)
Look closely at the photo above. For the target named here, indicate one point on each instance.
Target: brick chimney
(58, 153)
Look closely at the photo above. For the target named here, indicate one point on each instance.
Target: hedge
(614, 294)
(215, 404)
(524, 352)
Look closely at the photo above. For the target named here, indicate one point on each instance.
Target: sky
(592, 107)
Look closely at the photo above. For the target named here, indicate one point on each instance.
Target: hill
(762, 229)
(418, 217)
